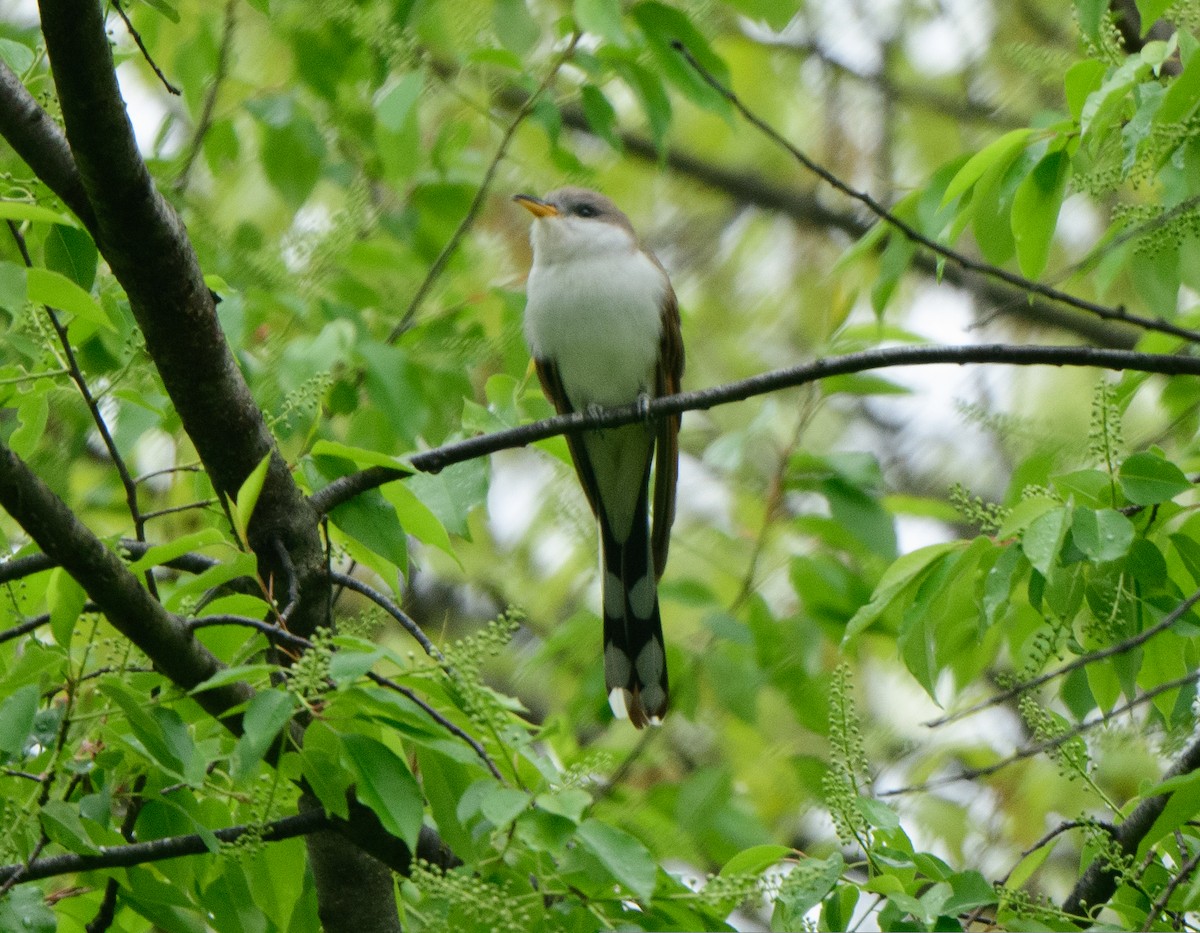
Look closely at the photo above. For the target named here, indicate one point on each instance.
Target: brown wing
(552, 385)
(666, 466)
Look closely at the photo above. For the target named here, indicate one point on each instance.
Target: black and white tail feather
(635, 661)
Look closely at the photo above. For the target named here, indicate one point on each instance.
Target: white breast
(596, 312)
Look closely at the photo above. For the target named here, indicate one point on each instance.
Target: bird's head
(573, 223)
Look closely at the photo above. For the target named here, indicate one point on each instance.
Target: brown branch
(916, 236)
(157, 850)
(1099, 881)
(432, 461)
(1099, 654)
(1049, 745)
(749, 187)
(67, 542)
(481, 192)
(137, 38)
(145, 244)
(36, 138)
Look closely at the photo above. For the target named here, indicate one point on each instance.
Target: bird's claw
(643, 407)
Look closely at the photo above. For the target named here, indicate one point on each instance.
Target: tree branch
(1099, 881)
(70, 544)
(158, 850)
(916, 236)
(36, 138)
(748, 187)
(432, 461)
(144, 242)
(1127, 644)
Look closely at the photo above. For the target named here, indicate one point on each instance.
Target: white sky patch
(310, 224)
(146, 108)
(1080, 225)
(949, 41)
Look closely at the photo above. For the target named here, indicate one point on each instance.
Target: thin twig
(441, 721)
(171, 510)
(145, 52)
(439, 264)
(1160, 904)
(76, 373)
(912, 233)
(391, 609)
(1029, 751)
(210, 98)
(156, 850)
(1099, 654)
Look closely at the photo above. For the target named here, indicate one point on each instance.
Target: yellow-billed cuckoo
(603, 327)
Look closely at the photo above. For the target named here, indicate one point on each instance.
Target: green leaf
(895, 580)
(810, 882)
(1091, 14)
(23, 210)
(384, 783)
(570, 802)
(1035, 211)
(756, 859)
(1043, 539)
(1147, 479)
(56, 290)
(18, 56)
(70, 251)
(417, 519)
(166, 9)
(626, 859)
(601, 18)
(515, 28)
(267, 713)
(320, 763)
(24, 908)
(398, 100)
(65, 598)
(63, 825)
(17, 713)
(997, 154)
(970, 890)
(371, 521)
(247, 496)
(1080, 81)
(1103, 534)
(662, 26)
(159, 731)
(1150, 11)
(1183, 95)
(601, 116)
(233, 675)
(176, 548)
(501, 805)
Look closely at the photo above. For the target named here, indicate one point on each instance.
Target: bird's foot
(643, 407)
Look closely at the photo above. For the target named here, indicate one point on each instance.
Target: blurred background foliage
(850, 561)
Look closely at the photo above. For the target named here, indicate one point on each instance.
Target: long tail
(635, 662)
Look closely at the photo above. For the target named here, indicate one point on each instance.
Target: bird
(602, 324)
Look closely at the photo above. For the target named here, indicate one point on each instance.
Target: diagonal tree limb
(750, 188)
(161, 635)
(1099, 882)
(36, 138)
(168, 641)
(145, 243)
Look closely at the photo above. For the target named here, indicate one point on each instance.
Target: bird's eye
(585, 210)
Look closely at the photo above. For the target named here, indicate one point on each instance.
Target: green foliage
(837, 576)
